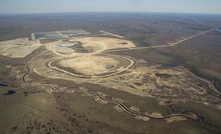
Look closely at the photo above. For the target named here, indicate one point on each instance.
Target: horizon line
(21, 13)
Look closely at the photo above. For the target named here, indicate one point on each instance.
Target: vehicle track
(125, 108)
(28, 71)
(94, 76)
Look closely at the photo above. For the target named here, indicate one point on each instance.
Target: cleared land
(18, 48)
(89, 65)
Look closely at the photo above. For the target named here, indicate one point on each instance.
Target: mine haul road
(93, 76)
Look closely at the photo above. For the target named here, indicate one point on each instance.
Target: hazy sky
(41, 6)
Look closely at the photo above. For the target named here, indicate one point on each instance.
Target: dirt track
(161, 46)
(120, 70)
(128, 110)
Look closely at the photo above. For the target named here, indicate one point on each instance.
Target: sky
(48, 6)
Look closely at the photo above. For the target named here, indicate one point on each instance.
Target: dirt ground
(18, 48)
(94, 44)
(89, 65)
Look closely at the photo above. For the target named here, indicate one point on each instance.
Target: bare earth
(89, 65)
(18, 48)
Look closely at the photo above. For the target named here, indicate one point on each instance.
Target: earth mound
(89, 65)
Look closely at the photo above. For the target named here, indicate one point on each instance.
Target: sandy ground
(18, 48)
(175, 119)
(102, 43)
(89, 65)
(94, 44)
(139, 117)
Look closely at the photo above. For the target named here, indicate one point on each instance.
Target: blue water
(48, 36)
(73, 32)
